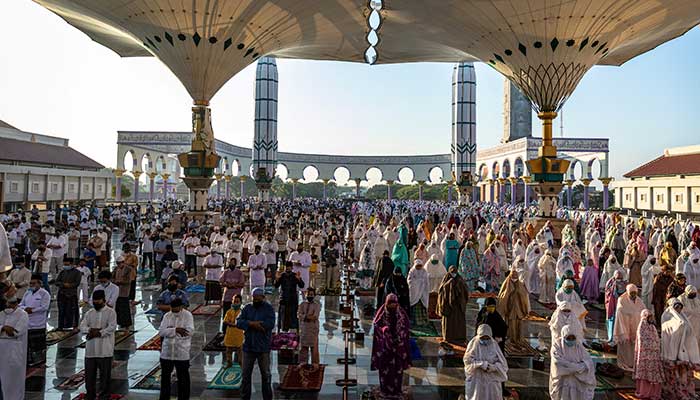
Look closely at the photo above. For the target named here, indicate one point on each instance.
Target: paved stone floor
(430, 378)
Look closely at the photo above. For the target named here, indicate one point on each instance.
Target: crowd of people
(422, 260)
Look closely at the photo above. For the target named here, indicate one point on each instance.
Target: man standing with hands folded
(99, 325)
(176, 330)
(257, 320)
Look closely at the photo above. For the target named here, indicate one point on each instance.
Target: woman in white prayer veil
(679, 354)
(485, 367)
(567, 294)
(519, 249)
(691, 308)
(650, 269)
(561, 317)
(572, 372)
(532, 258)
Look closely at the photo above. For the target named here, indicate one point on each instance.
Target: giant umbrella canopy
(543, 46)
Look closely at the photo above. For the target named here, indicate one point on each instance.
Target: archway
(281, 172)
(436, 174)
(310, 174)
(373, 176)
(341, 175)
(130, 160)
(405, 176)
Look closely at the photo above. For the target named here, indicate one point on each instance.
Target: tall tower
(517, 113)
(265, 139)
(464, 128)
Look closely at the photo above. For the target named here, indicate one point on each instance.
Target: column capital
(325, 181)
(118, 172)
(606, 181)
(358, 181)
(152, 175)
(165, 176)
(586, 181)
(218, 176)
(295, 180)
(489, 181)
(421, 183)
(227, 178)
(390, 182)
(526, 179)
(513, 180)
(137, 174)
(569, 182)
(243, 178)
(501, 181)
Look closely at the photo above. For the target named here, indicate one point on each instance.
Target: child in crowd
(233, 340)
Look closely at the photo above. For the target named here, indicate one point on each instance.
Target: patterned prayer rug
(519, 349)
(73, 382)
(216, 344)
(54, 336)
(424, 331)
(303, 378)
(154, 311)
(195, 288)
(482, 295)
(626, 394)
(284, 340)
(151, 381)
(119, 336)
(153, 343)
(206, 309)
(227, 379)
(83, 396)
(451, 350)
(536, 317)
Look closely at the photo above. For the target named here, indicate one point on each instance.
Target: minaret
(464, 128)
(265, 140)
(517, 113)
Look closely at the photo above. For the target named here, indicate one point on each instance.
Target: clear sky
(54, 80)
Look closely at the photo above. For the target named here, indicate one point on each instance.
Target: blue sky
(54, 80)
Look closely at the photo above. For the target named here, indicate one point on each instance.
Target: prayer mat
(227, 379)
(624, 382)
(284, 340)
(415, 351)
(303, 378)
(83, 396)
(365, 292)
(216, 344)
(451, 350)
(195, 288)
(482, 295)
(549, 306)
(520, 349)
(207, 309)
(597, 306)
(375, 393)
(153, 343)
(119, 336)
(152, 287)
(34, 371)
(432, 305)
(601, 384)
(151, 381)
(626, 394)
(73, 382)
(54, 336)
(154, 311)
(536, 317)
(424, 331)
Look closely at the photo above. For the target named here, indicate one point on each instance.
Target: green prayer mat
(227, 379)
(424, 331)
(151, 381)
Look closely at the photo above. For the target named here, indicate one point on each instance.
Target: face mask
(484, 342)
(452, 274)
(33, 289)
(67, 267)
(568, 290)
(236, 306)
(692, 295)
(98, 306)
(257, 303)
(434, 262)
(172, 288)
(569, 342)
(310, 298)
(490, 309)
(9, 310)
(104, 285)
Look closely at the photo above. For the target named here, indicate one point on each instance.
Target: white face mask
(9, 310)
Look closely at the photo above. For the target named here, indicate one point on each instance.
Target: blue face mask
(484, 342)
(569, 343)
(67, 267)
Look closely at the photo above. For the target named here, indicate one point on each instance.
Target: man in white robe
(13, 347)
(572, 372)
(301, 262)
(485, 367)
(257, 263)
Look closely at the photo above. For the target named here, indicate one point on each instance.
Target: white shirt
(58, 241)
(176, 347)
(39, 302)
(213, 274)
(303, 258)
(42, 266)
(106, 321)
(147, 245)
(190, 244)
(104, 237)
(111, 294)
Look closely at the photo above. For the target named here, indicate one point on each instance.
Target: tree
(126, 192)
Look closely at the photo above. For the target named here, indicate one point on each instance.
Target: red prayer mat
(209, 309)
(303, 378)
(153, 343)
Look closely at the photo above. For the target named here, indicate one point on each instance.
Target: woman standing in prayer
(399, 255)
(633, 262)
(567, 294)
(533, 254)
(514, 306)
(489, 316)
(589, 282)
(660, 291)
(614, 288)
(677, 287)
(452, 307)
(469, 267)
(391, 347)
(547, 273)
(648, 374)
(611, 265)
(691, 308)
(572, 372)
(679, 354)
(492, 269)
(451, 251)
(366, 265)
(419, 289)
(485, 367)
(397, 285)
(627, 315)
(385, 267)
(436, 273)
(561, 317)
(649, 272)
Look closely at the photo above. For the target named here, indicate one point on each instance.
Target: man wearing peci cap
(257, 320)
(122, 278)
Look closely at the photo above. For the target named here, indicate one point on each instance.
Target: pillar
(420, 190)
(526, 189)
(501, 190)
(151, 185)
(325, 187)
(165, 185)
(569, 192)
(137, 175)
(357, 187)
(463, 129)
(294, 187)
(491, 189)
(242, 180)
(606, 194)
(513, 189)
(117, 185)
(264, 156)
(389, 184)
(218, 177)
(449, 191)
(585, 182)
(476, 192)
(227, 178)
